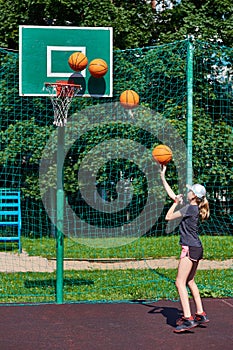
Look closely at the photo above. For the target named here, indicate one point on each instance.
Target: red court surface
(117, 326)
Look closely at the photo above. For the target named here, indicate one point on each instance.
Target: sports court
(117, 326)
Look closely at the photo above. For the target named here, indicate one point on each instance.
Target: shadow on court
(139, 325)
(52, 282)
(171, 314)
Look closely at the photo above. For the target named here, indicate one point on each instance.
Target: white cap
(198, 190)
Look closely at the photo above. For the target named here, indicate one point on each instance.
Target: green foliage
(18, 138)
(209, 20)
(132, 22)
(135, 23)
(21, 146)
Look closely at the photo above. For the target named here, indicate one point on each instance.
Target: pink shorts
(193, 253)
(184, 251)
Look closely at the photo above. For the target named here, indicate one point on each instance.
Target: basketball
(77, 61)
(129, 99)
(98, 68)
(162, 154)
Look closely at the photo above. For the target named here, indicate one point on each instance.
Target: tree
(206, 20)
(132, 20)
(135, 23)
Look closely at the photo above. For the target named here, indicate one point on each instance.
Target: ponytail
(204, 210)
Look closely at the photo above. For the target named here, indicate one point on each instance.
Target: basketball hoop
(61, 94)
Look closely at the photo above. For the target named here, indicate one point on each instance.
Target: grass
(115, 285)
(127, 285)
(215, 248)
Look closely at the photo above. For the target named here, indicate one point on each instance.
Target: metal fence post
(189, 125)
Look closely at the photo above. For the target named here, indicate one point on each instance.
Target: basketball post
(60, 216)
(61, 95)
(49, 48)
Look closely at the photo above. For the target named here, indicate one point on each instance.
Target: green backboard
(44, 53)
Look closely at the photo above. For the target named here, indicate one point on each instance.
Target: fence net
(117, 245)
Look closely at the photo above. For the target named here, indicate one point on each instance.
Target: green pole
(189, 125)
(60, 216)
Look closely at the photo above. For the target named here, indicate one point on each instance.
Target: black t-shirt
(189, 226)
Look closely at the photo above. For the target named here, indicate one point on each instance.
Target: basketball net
(61, 94)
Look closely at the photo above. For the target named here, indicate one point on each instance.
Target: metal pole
(189, 125)
(60, 216)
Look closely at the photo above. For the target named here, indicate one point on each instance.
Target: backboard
(44, 53)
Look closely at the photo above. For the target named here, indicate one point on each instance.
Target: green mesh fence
(116, 243)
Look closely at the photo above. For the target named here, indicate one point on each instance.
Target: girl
(192, 250)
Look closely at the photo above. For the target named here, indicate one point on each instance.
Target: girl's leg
(194, 289)
(184, 270)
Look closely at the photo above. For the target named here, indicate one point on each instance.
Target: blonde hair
(204, 209)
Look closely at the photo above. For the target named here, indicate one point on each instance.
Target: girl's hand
(163, 170)
(180, 198)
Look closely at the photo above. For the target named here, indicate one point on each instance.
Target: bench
(10, 217)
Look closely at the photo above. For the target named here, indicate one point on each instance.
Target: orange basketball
(129, 99)
(77, 61)
(162, 154)
(98, 68)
